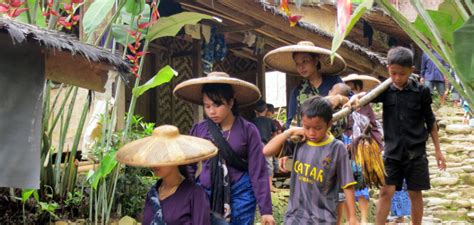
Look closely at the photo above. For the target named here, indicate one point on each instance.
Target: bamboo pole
(364, 100)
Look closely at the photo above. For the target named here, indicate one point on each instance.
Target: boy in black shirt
(407, 121)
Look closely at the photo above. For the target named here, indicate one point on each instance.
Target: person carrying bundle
(407, 118)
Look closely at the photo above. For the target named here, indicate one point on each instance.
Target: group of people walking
(233, 178)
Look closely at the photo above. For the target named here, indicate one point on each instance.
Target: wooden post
(261, 75)
(198, 113)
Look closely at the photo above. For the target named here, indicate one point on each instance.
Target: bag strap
(228, 154)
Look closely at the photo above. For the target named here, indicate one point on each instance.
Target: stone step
(459, 129)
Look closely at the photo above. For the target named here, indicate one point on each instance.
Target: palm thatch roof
(374, 56)
(70, 51)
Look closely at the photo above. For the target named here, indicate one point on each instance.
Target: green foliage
(132, 187)
(163, 76)
(134, 7)
(170, 26)
(464, 52)
(96, 14)
(339, 37)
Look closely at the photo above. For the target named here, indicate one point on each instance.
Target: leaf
(163, 76)
(108, 163)
(145, 15)
(444, 23)
(463, 47)
(26, 194)
(171, 25)
(339, 37)
(96, 13)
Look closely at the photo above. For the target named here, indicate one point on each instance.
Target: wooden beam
(255, 10)
(261, 75)
(240, 28)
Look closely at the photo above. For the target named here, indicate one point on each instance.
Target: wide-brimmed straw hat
(282, 58)
(191, 90)
(368, 82)
(166, 147)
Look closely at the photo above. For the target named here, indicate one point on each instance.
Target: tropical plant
(132, 23)
(447, 31)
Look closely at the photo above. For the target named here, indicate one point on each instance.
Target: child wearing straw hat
(174, 199)
(362, 83)
(314, 66)
(236, 179)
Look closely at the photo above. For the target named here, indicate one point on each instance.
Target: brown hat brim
(368, 82)
(281, 59)
(191, 90)
(166, 150)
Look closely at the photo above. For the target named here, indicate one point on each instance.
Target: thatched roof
(374, 56)
(57, 41)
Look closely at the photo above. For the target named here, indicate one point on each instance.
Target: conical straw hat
(281, 59)
(368, 82)
(244, 92)
(166, 147)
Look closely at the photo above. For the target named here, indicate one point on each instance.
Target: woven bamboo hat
(244, 92)
(368, 82)
(165, 147)
(282, 58)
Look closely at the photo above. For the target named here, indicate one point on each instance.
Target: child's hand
(282, 164)
(296, 134)
(440, 160)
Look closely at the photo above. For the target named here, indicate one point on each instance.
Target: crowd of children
(239, 176)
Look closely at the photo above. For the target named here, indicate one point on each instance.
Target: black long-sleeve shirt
(407, 120)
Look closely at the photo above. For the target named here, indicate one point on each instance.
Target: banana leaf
(171, 25)
(464, 54)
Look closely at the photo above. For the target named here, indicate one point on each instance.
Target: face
(315, 129)
(305, 64)
(217, 113)
(400, 74)
(164, 171)
(334, 90)
(354, 88)
(270, 114)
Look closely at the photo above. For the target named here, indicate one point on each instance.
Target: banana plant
(447, 31)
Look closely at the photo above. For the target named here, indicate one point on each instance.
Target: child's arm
(440, 160)
(273, 147)
(350, 198)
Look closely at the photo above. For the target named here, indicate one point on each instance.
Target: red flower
(143, 25)
(77, 1)
(68, 7)
(76, 18)
(294, 20)
(16, 12)
(16, 3)
(4, 8)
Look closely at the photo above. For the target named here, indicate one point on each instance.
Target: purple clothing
(429, 71)
(188, 205)
(246, 142)
(375, 132)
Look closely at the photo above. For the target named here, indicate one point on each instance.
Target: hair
(260, 106)
(343, 89)
(400, 56)
(317, 106)
(219, 93)
(270, 108)
(313, 55)
(184, 172)
(358, 84)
